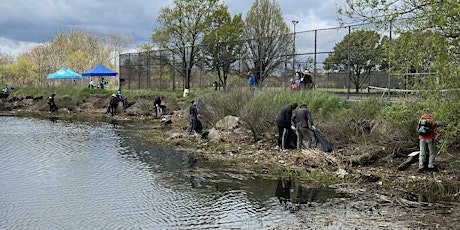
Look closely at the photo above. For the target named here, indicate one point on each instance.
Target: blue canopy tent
(64, 73)
(100, 71)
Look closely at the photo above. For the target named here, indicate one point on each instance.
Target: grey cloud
(39, 21)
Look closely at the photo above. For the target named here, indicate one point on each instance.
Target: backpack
(425, 126)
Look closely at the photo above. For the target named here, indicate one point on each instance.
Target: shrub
(216, 105)
(258, 112)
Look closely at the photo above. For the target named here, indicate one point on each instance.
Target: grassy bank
(369, 121)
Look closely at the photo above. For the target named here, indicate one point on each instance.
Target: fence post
(349, 57)
(314, 61)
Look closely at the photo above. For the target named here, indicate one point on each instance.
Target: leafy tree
(5, 60)
(77, 49)
(430, 37)
(40, 55)
(181, 29)
(224, 43)
(384, 61)
(74, 42)
(77, 60)
(65, 45)
(268, 40)
(23, 72)
(358, 51)
(144, 47)
(415, 55)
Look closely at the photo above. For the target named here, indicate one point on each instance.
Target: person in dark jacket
(51, 103)
(284, 122)
(113, 105)
(157, 104)
(5, 92)
(193, 117)
(303, 122)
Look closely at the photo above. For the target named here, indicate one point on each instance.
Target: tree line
(203, 32)
(77, 49)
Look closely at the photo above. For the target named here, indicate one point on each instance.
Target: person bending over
(157, 104)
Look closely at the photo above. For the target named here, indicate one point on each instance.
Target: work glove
(313, 128)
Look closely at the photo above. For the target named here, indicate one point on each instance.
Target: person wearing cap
(306, 79)
(284, 122)
(123, 99)
(119, 95)
(51, 103)
(252, 81)
(303, 122)
(113, 105)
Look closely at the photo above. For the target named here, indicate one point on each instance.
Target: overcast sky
(26, 23)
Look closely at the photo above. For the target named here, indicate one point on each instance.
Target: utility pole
(294, 22)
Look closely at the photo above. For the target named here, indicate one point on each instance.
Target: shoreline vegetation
(239, 128)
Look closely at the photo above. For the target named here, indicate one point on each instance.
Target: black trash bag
(126, 103)
(321, 143)
(165, 110)
(291, 140)
(199, 126)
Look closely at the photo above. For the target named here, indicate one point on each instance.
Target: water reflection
(74, 175)
(296, 192)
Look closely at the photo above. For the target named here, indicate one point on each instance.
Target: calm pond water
(73, 175)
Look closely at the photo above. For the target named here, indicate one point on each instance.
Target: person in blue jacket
(193, 117)
(252, 81)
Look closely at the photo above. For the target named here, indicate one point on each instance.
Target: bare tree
(268, 38)
(181, 29)
(116, 43)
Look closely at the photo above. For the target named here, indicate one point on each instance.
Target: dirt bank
(369, 173)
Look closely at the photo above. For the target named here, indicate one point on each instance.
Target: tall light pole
(294, 22)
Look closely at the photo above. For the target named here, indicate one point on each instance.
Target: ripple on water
(63, 175)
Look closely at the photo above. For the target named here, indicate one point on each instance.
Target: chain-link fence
(275, 67)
